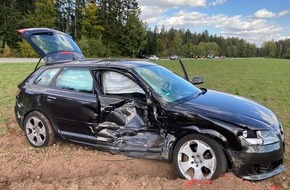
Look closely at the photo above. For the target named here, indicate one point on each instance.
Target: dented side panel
(137, 128)
(126, 125)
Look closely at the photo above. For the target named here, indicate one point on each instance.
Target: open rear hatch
(52, 45)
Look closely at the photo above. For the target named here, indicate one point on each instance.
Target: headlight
(248, 137)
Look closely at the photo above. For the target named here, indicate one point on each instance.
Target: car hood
(51, 45)
(231, 109)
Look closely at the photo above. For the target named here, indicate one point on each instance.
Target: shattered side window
(118, 84)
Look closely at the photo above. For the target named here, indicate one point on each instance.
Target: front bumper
(258, 162)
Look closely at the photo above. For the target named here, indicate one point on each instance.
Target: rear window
(46, 77)
(52, 43)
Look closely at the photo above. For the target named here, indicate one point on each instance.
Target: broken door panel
(124, 124)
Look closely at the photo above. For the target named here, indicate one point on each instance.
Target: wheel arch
(44, 114)
(218, 137)
(27, 113)
(39, 129)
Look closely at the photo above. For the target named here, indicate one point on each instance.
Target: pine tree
(91, 39)
(133, 37)
(10, 18)
(89, 25)
(43, 15)
(123, 32)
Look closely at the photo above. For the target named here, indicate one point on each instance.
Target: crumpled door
(125, 123)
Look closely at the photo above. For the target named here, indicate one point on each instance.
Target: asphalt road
(19, 60)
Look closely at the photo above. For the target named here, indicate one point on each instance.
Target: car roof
(110, 63)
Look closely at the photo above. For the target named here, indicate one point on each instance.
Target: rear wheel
(38, 130)
(199, 157)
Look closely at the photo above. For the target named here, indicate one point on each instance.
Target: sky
(256, 21)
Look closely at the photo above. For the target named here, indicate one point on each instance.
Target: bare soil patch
(73, 167)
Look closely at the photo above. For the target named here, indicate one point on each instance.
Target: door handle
(50, 98)
(108, 108)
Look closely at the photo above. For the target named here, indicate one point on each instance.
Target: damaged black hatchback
(143, 110)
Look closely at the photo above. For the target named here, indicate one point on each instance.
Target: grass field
(10, 76)
(264, 80)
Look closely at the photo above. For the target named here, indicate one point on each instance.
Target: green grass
(10, 76)
(264, 80)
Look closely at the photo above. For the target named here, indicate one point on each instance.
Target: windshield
(169, 86)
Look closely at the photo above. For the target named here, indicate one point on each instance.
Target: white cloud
(185, 19)
(172, 3)
(217, 2)
(151, 10)
(254, 30)
(191, 3)
(151, 13)
(283, 13)
(264, 13)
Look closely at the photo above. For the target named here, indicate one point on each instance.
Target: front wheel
(199, 157)
(38, 130)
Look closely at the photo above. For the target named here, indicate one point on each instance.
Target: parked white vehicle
(173, 57)
(153, 58)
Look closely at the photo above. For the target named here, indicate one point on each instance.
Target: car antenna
(184, 70)
(37, 64)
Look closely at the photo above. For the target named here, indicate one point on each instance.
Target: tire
(199, 157)
(38, 130)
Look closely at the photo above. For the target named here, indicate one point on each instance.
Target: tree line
(107, 28)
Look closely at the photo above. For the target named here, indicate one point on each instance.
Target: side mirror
(197, 80)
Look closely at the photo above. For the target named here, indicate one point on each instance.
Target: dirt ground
(73, 167)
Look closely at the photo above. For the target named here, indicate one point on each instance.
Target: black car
(143, 110)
